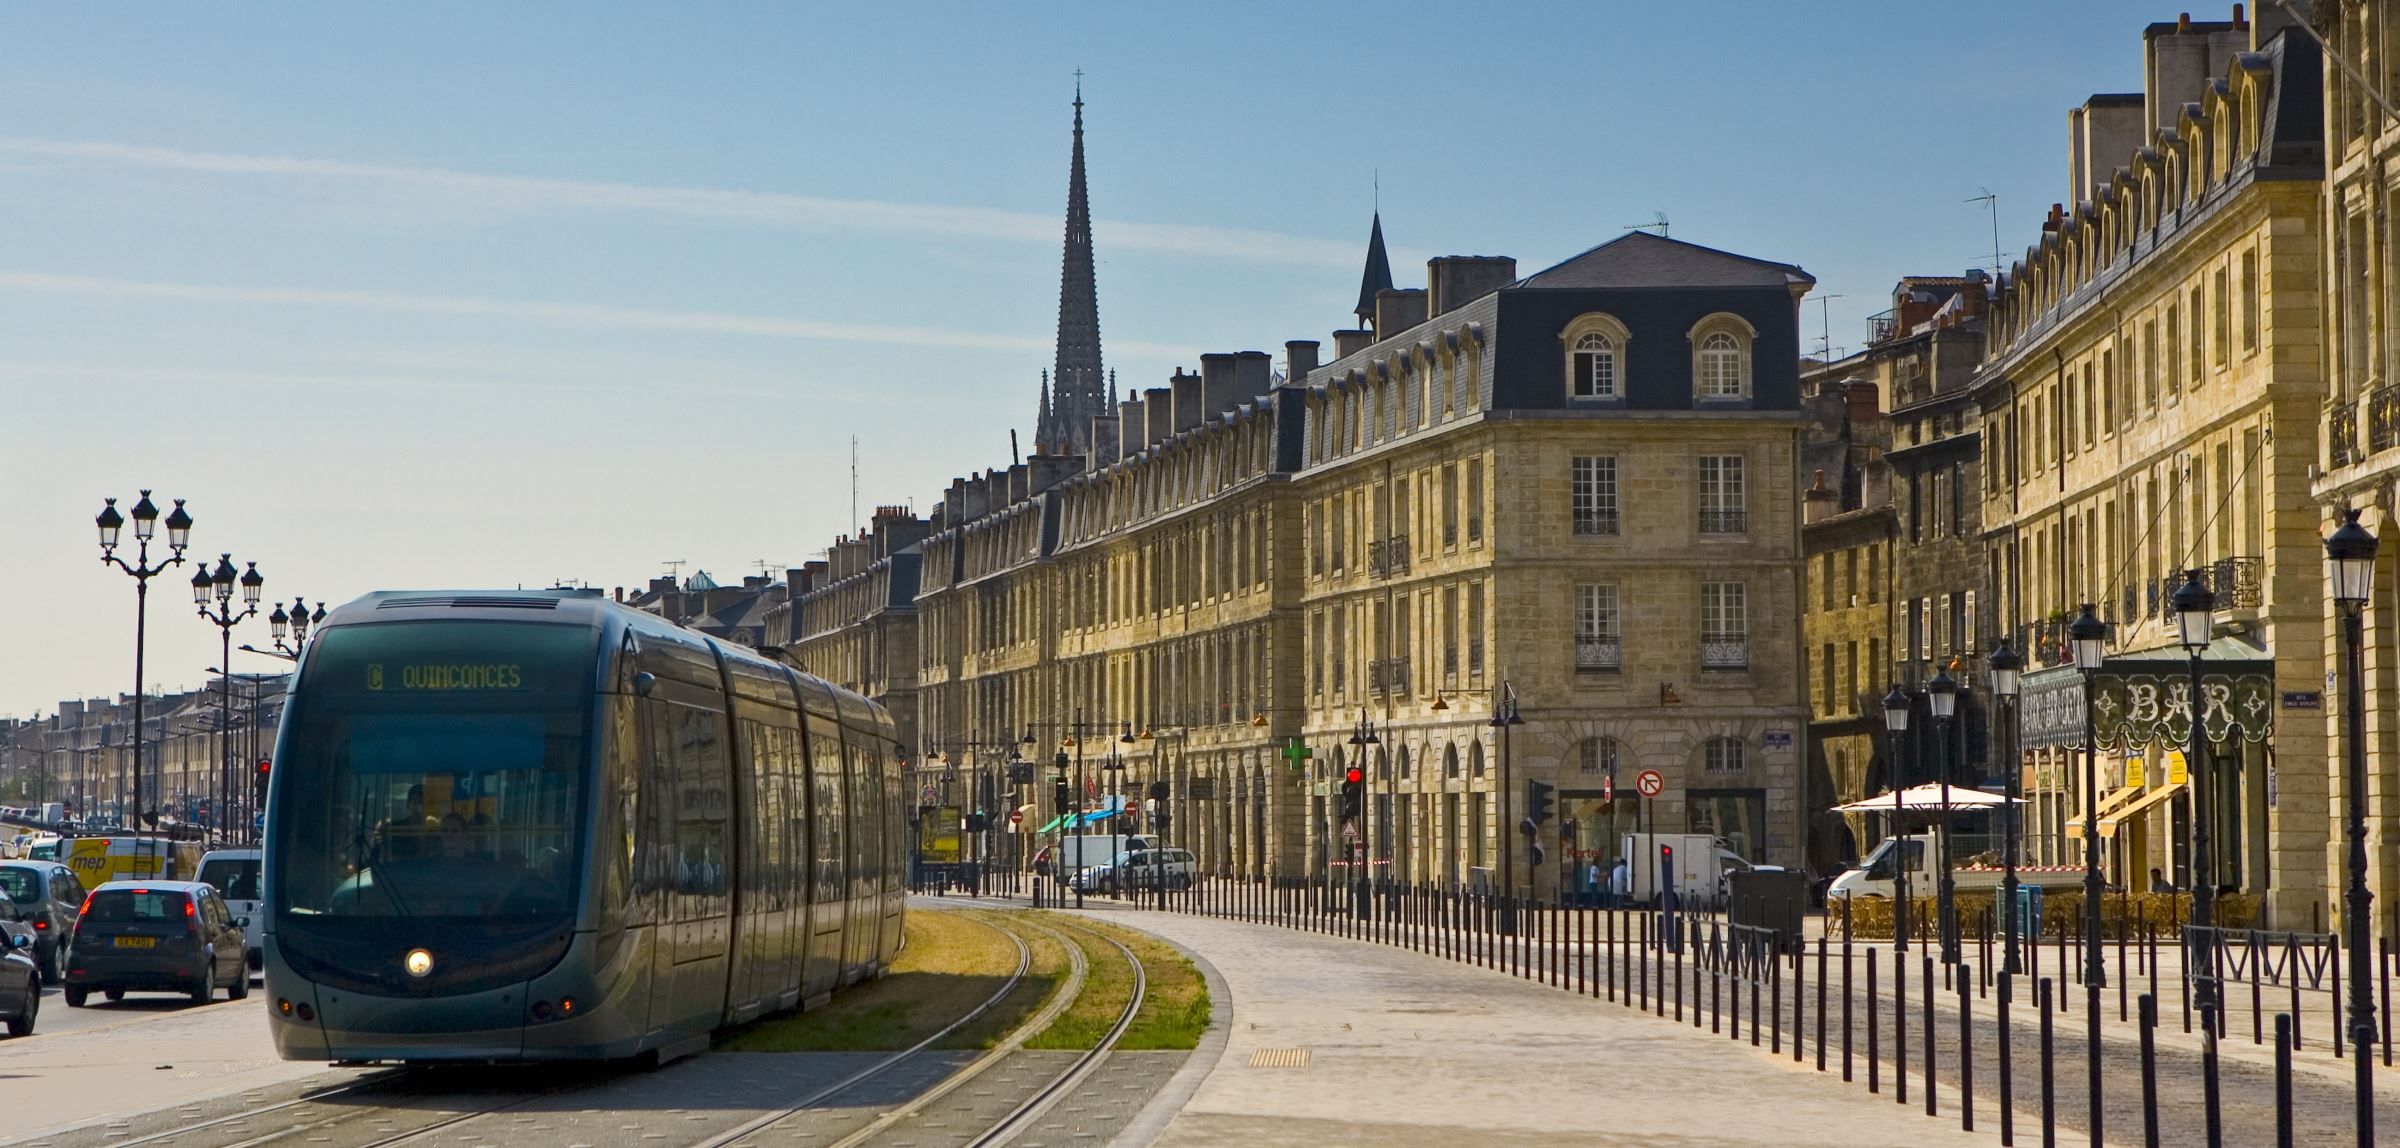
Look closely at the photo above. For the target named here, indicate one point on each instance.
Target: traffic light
(977, 822)
(1158, 791)
(1537, 806)
(1059, 796)
(1354, 797)
(259, 788)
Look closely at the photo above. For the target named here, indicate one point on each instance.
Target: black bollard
(1820, 1002)
(1966, 1057)
(1900, 1026)
(2149, 1023)
(1931, 1040)
(2283, 1081)
(2041, 1001)
(2008, 1091)
(1874, 1037)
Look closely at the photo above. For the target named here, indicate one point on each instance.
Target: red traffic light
(1354, 775)
(263, 765)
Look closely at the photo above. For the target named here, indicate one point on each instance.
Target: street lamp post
(2089, 637)
(1362, 741)
(1895, 723)
(1114, 766)
(2350, 562)
(179, 536)
(2006, 664)
(2195, 621)
(294, 623)
(213, 593)
(1505, 716)
(1942, 695)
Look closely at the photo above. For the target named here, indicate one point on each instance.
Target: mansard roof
(1640, 259)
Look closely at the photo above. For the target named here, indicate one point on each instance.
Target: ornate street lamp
(1504, 717)
(2006, 664)
(2350, 573)
(213, 593)
(1941, 695)
(145, 526)
(1895, 723)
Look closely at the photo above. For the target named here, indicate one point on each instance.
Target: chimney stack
(1158, 415)
(1217, 392)
(1049, 470)
(1299, 358)
(1131, 430)
(1348, 343)
(1020, 483)
(1398, 309)
(1457, 280)
(1253, 374)
(1104, 440)
(1822, 502)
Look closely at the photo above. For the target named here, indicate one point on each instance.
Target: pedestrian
(2159, 882)
(1591, 881)
(1620, 884)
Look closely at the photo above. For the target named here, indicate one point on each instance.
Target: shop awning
(2110, 821)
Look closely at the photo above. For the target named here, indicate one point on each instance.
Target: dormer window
(1595, 344)
(1721, 358)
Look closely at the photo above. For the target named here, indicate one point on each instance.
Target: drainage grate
(1279, 1058)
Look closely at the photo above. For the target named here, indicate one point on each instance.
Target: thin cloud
(569, 314)
(763, 208)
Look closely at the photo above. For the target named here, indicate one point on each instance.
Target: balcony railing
(1595, 522)
(1599, 654)
(2383, 418)
(1388, 676)
(2133, 599)
(1450, 665)
(1724, 521)
(1724, 651)
(1475, 657)
(2341, 435)
(1388, 558)
(2238, 584)
(1880, 327)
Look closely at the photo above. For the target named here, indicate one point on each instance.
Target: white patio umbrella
(1927, 798)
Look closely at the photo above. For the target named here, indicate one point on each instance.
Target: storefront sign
(2131, 709)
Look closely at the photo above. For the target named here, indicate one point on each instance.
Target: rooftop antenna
(1991, 203)
(675, 569)
(1825, 320)
(1659, 223)
(853, 484)
(766, 569)
(1012, 447)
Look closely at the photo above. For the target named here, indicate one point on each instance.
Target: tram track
(356, 1114)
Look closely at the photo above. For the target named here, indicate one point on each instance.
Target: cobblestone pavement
(1339, 1042)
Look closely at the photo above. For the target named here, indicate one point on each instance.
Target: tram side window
(870, 784)
(702, 805)
(832, 873)
(854, 757)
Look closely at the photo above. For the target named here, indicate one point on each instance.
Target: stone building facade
(851, 618)
(1579, 487)
(82, 754)
(2361, 465)
(2150, 401)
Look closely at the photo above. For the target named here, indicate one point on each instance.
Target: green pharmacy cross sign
(1297, 754)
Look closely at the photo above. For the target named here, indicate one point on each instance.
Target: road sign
(1649, 783)
(1016, 817)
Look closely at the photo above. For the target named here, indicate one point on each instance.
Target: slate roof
(1640, 259)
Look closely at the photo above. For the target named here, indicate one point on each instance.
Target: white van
(234, 873)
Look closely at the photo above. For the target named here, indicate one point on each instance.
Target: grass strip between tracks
(1106, 987)
(951, 963)
(1175, 1005)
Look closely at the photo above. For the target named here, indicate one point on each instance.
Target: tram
(545, 826)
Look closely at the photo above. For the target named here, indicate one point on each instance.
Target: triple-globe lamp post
(212, 592)
(145, 526)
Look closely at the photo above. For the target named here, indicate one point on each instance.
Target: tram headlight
(419, 963)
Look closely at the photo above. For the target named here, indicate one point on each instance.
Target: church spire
(1077, 386)
(1378, 276)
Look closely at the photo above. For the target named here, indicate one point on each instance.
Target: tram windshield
(435, 769)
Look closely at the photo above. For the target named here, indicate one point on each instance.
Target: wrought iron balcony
(1475, 656)
(1595, 521)
(2341, 435)
(1724, 651)
(1724, 522)
(1388, 676)
(2133, 599)
(1388, 558)
(2383, 418)
(1599, 654)
(2238, 583)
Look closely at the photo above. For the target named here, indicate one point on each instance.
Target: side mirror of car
(241, 922)
(20, 941)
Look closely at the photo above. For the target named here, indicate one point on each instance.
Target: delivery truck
(1693, 865)
(1879, 874)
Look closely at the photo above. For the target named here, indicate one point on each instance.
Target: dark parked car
(156, 936)
(47, 897)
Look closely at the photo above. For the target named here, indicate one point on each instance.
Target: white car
(235, 875)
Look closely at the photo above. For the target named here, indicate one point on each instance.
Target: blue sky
(475, 294)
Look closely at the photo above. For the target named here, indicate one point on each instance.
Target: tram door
(690, 865)
(829, 880)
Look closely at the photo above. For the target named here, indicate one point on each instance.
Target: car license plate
(137, 942)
